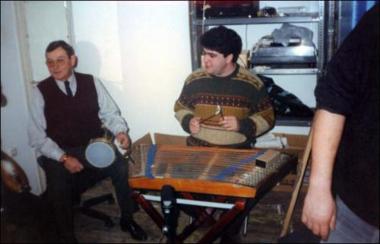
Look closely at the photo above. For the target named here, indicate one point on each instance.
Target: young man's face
(59, 64)
(215, 63)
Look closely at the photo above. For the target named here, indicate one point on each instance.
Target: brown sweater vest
(71, 121)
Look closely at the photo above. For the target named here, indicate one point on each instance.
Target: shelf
(314, 17)
(292, 121)
(293, 71)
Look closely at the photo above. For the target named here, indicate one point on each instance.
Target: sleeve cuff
(57, 155)
(247, 127)
(186, 122)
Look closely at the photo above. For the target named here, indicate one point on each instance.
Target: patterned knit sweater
(241, 94)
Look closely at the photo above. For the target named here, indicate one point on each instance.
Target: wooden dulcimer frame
(239, 194)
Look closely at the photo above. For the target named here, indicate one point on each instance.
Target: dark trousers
(63, 187)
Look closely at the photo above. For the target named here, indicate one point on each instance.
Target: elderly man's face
(59, 64)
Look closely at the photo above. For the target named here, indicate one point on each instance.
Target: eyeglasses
(52, 63)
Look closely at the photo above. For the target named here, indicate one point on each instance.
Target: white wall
(15, 114)
(42, 27)
(141, 50)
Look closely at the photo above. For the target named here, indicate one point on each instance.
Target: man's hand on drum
(123, 139)
(72, 164)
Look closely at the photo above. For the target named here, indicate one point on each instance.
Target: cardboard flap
(169, 139)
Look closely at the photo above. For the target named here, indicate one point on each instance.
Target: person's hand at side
(319, 211)
(71, 163)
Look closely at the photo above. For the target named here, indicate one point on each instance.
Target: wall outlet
(13, 151)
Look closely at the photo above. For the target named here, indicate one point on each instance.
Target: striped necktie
(68, 90)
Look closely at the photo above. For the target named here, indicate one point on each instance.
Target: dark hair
(222, 40)
(60, 43)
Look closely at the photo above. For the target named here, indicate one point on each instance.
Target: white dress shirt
(109, 115)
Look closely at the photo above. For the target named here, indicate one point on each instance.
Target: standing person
(67, 112)
(223, 104)
(342, 202)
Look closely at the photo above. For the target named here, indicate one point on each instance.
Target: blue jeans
(350, 228)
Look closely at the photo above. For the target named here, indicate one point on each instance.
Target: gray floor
(264, 224)
(24, 220)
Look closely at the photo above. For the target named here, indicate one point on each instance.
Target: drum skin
(100, 153)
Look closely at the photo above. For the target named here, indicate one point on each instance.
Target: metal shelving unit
(311, 17)
(287, 71)
(198, 26)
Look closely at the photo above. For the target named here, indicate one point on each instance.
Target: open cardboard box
(295, 145)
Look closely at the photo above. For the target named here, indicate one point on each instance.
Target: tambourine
(101, 152)
(12, 175)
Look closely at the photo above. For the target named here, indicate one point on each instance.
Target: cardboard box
(137, 154)
(295, 145)
(169, 139)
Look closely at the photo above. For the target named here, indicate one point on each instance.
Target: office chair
(85, 207)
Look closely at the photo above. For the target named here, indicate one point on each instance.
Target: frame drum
(100, 153)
